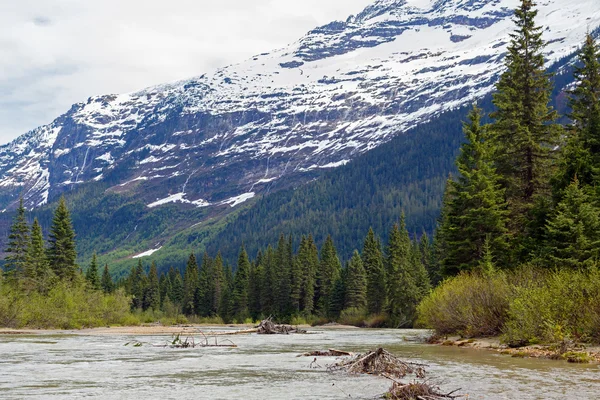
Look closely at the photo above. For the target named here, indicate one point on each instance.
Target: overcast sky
(54, 53)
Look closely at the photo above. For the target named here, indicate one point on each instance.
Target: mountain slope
(185, 155)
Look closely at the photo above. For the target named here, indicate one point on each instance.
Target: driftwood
(417, 391)
(189, 342)
(379, 362)
(327, 353)
(268, 327)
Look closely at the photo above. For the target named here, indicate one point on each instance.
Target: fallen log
(327, 353)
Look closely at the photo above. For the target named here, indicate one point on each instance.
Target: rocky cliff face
(278, 118)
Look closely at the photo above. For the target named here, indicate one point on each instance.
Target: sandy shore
(150, 330)
(576, 354)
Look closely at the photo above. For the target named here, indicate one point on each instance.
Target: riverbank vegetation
(519, 235)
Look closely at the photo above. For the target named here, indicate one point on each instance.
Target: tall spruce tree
(18, 243)
(329, 272)
(206, 287)
(269, 283)
(308, 258)
(573, 232)
(254, 287)
(190, 284)
(474, 208)
(581, 155)
(91, 275)
(38, 268)
(152, 290)
(137, 285)
(402, 289)
(61, 250)
(375, 271)
(241, 282)
(525, 133)
(356, 283)
(107, 282)
(220, 284)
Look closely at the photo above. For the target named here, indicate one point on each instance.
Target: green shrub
(559, 306)
(470, 305)
(353, 316)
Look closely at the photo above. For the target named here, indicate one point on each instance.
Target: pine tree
(107, 282)
(581, 156)
(137, 284)
(356, 284)
(475, 208)
(91, 275)
(419, 271)
(525, 132)
(428, 259)
(283, 261)
(61, 252)
(573, 233)
(38, 268)
(220, 284)
(226, 306)
(327, 275)
(206, 287)
(254, 288)
(241, 284)
(269, 283)
(337, 299)
(402, 289)
(177, 287)
(375, 271)
(190, 284)
(308, 259)
(152, 290)
(18, 243)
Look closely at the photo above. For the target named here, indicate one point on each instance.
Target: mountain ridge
(215, 142)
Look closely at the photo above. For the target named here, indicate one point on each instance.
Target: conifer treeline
(527, 190)
(32, 264)
(284, 283)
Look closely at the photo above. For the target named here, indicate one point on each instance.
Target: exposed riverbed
(265, 367)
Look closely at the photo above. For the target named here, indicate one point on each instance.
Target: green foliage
(573, 231)
(152, 291)
(65, 306)
(241, 284)
(469, 305)
(525, 134)
(475, 210)
(554, 307)
(107, 283)
(356, 283)
(61, 252)
(375, 272)
(403, 294)
(91, 275)
(18, 241)
(328, 274)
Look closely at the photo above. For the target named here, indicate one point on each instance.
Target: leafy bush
(469, 305)
(64, 307)
(563, 305)
(353, 316)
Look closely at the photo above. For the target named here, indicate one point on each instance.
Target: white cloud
(58, 52)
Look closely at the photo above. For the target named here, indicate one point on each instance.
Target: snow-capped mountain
(342, 89)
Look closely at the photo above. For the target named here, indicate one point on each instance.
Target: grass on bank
(524, 307)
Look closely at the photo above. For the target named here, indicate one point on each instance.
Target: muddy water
(265, 367)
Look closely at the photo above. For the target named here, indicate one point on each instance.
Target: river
(73, 366)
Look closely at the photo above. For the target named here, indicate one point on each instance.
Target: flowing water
(266, 367)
